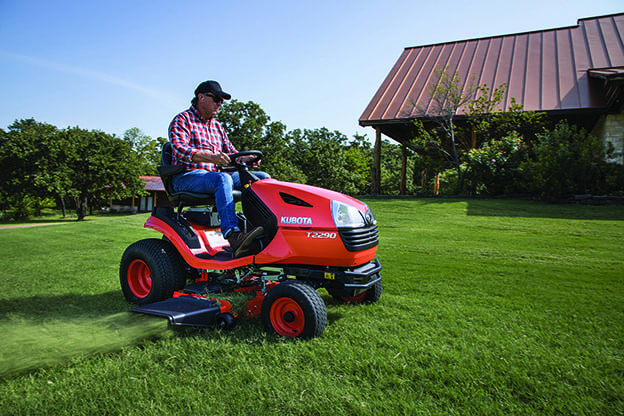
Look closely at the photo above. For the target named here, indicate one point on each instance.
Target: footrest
(184, 310)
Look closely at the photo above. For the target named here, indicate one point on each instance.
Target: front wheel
(295, 310)
(371, 295)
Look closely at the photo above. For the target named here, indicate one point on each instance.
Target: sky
(113, 65)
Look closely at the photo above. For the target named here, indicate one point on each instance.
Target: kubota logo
(296, 220)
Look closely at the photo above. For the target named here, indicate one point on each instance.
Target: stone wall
(610, 128)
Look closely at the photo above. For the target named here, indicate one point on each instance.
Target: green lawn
(489, 307)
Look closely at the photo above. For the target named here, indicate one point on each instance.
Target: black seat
(182, 198)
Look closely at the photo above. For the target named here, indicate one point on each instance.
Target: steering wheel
(254, 156)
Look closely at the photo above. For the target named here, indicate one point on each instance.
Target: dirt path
(30, 225)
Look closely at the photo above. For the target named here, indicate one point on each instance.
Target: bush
(493, 169)
(570, 161)
(448, 182)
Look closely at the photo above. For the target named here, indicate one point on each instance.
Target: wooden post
(473, 145)
(403, 169)
(376, 179)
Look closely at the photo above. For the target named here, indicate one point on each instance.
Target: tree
(102, 167)
(321, 155)
(146, 149)
(249, 128)
(447, 98)
(245, 124)
(32, 165)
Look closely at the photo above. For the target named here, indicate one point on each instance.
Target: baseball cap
(212, 87)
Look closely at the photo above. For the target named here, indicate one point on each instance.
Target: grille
(359, 239)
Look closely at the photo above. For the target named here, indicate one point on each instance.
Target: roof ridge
(528, 32)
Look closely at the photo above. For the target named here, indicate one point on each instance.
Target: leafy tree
(498, 124)
(278, 155)
(390, 168)
(33, 165)
(245, 124)
(447, 98)
(320, 155)
(146, 149)
(250, 128)
(359, 157)
(102, 167)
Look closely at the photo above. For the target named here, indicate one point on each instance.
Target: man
(200, 144)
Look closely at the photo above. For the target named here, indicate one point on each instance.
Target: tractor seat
(182, 198)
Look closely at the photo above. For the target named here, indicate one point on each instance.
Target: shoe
(241, 242)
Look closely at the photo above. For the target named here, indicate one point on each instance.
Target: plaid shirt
(189, 133)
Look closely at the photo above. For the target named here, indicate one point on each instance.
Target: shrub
(448, 182)
(493, 169)
(570, 161)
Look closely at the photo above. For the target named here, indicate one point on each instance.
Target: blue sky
(112, 65)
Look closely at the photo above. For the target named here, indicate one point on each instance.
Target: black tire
(226, 321)
(295, 310)
(372, 295)
(149, 271)
(182, 271)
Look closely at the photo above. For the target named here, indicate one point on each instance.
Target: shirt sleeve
(180, 138)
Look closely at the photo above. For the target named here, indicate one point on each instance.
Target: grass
(489, 307)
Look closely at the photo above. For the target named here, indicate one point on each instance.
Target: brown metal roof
(153, 183)
(553, 70)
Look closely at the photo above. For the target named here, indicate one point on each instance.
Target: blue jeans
(221, 185)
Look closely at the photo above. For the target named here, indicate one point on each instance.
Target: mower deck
(184, 310)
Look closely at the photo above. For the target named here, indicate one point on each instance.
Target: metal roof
(555, 70)
(153, 183)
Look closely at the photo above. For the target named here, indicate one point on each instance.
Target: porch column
(403, 169)
(376, 177)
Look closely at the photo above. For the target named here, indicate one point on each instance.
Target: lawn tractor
(312, 238)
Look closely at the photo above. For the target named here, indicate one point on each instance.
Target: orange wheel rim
(287, 317)
(139, 278)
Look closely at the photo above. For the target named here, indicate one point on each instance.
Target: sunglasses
(217, 100)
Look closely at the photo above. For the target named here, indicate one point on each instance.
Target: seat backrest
(167, 170)
(166, 155)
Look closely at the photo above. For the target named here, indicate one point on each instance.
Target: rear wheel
(149, 271)
(295, 310)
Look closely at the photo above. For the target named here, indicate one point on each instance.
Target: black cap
(212, 87)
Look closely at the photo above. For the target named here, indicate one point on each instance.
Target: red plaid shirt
(189, 133)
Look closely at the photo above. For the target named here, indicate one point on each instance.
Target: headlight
(346, 215)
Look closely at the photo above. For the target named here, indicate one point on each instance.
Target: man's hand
(246, 159)
(219, 159)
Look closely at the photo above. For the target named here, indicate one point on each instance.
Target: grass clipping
(27, 346)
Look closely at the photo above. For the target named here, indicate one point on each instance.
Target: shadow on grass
(83, 308)
(508, 207)
(68, 306)
(534, 209)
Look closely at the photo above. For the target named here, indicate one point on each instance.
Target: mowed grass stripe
(489, 307)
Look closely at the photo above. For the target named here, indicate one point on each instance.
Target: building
(571, 72)
(156, 197)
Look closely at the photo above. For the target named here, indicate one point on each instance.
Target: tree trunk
(81, 207)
